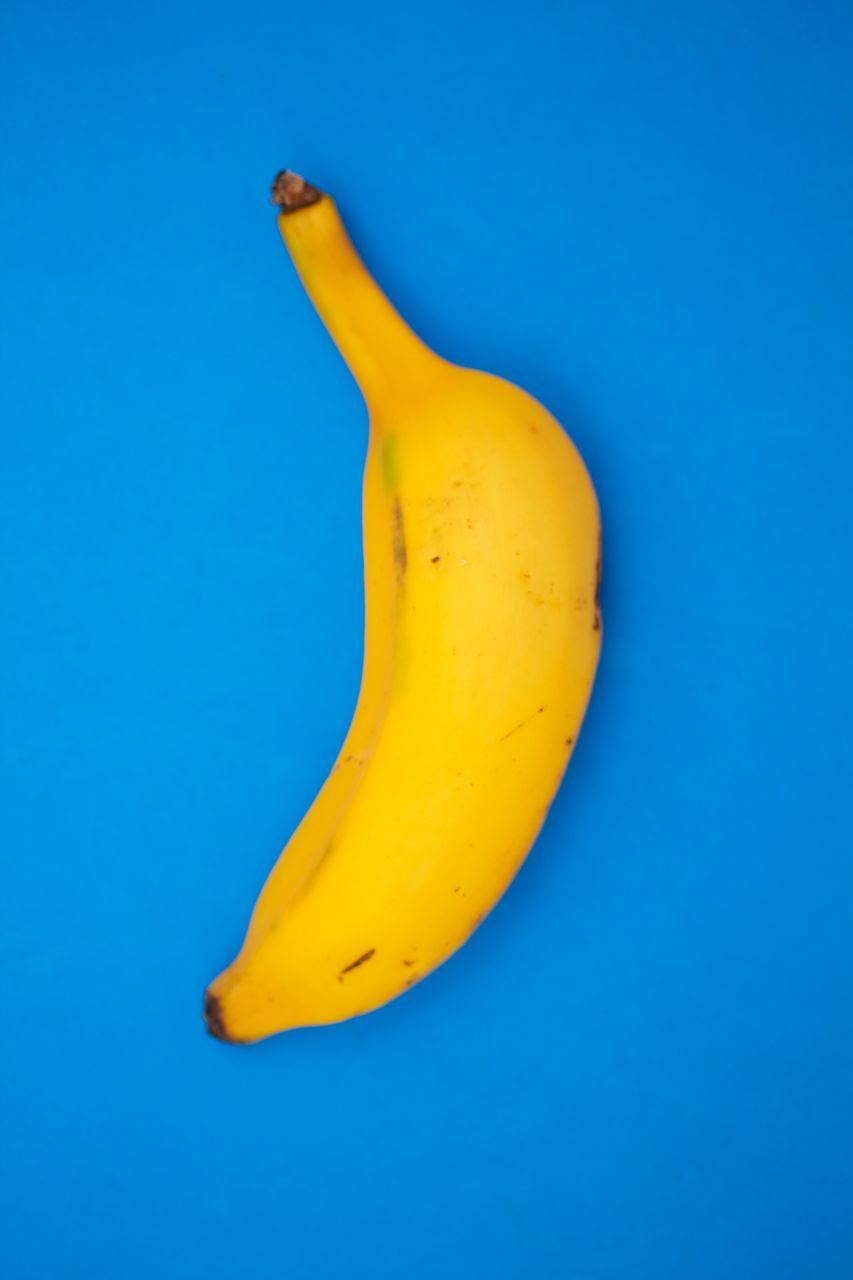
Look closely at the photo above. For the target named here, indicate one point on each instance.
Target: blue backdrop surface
(642, 1065)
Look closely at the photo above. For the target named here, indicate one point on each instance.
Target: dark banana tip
(291, 192)
(215, 1019)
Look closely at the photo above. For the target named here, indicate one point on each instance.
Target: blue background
(642, 1066)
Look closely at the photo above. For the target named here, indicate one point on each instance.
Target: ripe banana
(482, 563)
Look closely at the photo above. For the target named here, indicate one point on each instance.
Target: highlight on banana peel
(482, 563)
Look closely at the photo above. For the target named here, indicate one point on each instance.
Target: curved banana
(482, 563)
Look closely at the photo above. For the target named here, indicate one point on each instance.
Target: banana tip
(291, 192)
(215, 1019)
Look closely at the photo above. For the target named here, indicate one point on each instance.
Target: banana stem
(389, 362)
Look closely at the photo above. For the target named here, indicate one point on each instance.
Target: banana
(482, 563)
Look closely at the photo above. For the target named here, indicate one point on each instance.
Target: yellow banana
(482, 563)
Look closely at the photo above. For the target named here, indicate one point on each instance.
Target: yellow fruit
(482, 562)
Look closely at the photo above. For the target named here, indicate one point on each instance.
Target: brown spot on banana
(355, 964)
(521, 724)
(399, 540)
